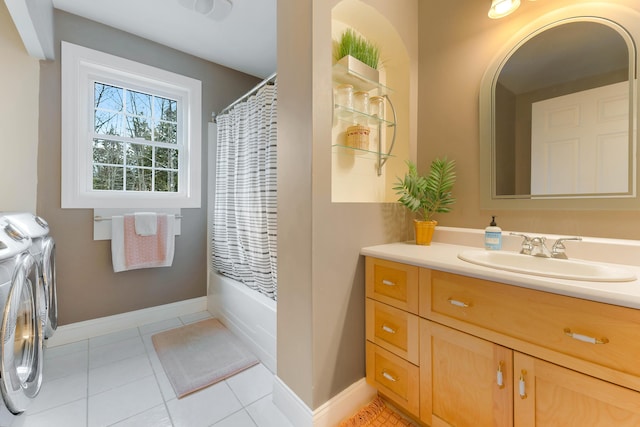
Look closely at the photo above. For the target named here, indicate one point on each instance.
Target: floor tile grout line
(243, 409)
(155, 374)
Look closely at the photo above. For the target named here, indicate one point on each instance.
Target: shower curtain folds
(244, 229)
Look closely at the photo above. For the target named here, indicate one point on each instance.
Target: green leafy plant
(357, 46)
(429, 194)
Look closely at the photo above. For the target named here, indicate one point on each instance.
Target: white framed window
(131, 133)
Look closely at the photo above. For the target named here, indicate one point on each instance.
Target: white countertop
(444, 257)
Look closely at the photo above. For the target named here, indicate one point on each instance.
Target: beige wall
(320, 272)
(18, 116)
(87, 286)
(457, 42)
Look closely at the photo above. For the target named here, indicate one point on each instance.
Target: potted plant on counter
(427, 195)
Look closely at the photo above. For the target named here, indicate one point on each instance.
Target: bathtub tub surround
(427, 195)
(538, 345)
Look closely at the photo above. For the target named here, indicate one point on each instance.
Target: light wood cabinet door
(464, 380)
(550, 395)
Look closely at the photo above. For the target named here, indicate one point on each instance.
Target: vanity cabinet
(491, 354)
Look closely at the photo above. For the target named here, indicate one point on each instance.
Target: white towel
(146, 223)
(130, 251)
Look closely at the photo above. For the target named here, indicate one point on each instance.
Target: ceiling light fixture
(213, 9)
(501, 8)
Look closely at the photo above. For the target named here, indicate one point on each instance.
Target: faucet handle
(526, 243)
(558, 249)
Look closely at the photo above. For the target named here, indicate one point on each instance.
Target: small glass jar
(344, 96)
(376, 106)
(361, 102)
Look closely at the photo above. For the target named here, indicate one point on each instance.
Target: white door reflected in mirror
(580, 142)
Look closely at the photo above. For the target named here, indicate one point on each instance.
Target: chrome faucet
(558, 249)
(539, 248)
(526, 243)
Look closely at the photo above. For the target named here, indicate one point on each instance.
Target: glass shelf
(347, 114)
(362, 151)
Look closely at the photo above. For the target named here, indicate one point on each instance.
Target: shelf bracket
(382, 158)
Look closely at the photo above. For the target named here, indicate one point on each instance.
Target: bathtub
(250, 315)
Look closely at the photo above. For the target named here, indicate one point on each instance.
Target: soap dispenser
(493, 236)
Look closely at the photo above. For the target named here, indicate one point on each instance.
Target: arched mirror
(558, 117)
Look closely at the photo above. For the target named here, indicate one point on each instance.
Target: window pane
(166, 109)
(138, 103)
(166, 181)
(138, 179)
(107, 97)
(105, 151)
(167, 158)
(138, 127)
(139, 155)
(107, 123)
(167, 132)
(107, 178)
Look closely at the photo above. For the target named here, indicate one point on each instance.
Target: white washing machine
(21, 333)
(43, 248)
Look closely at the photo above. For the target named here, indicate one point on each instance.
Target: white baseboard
(344, 404)
(104, 325)
(341, 406)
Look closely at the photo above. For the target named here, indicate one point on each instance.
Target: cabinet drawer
(393, 329)
(596, 332)
(395, 378)
(393, 283)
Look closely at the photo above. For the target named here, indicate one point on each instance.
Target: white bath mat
(200, 354)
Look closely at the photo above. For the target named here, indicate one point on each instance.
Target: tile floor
(117, 380)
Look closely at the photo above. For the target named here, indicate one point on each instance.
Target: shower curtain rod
(246, 95)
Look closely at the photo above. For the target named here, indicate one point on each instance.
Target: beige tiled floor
(117, 380)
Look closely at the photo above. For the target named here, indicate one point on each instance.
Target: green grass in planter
(357, 46)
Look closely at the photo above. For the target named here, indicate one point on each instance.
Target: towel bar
(99, 218)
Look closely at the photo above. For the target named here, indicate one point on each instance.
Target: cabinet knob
(500, 376)
(458, 303)
(585, 338)
(388, 283)
(388, 329)
(522, 385)
(389, 376)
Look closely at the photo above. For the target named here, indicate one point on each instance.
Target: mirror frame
(626, 22)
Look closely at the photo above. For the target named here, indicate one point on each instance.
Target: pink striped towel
(131, 251)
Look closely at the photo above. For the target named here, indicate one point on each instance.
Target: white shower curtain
(244, 229)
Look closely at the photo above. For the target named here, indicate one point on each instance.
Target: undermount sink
(548, 267)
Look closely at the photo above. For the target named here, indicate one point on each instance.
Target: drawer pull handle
(388, 329)
(500, 376)
(522, 386)
(458, 303)
(388, 283)
(389, 376)
(585, 338)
